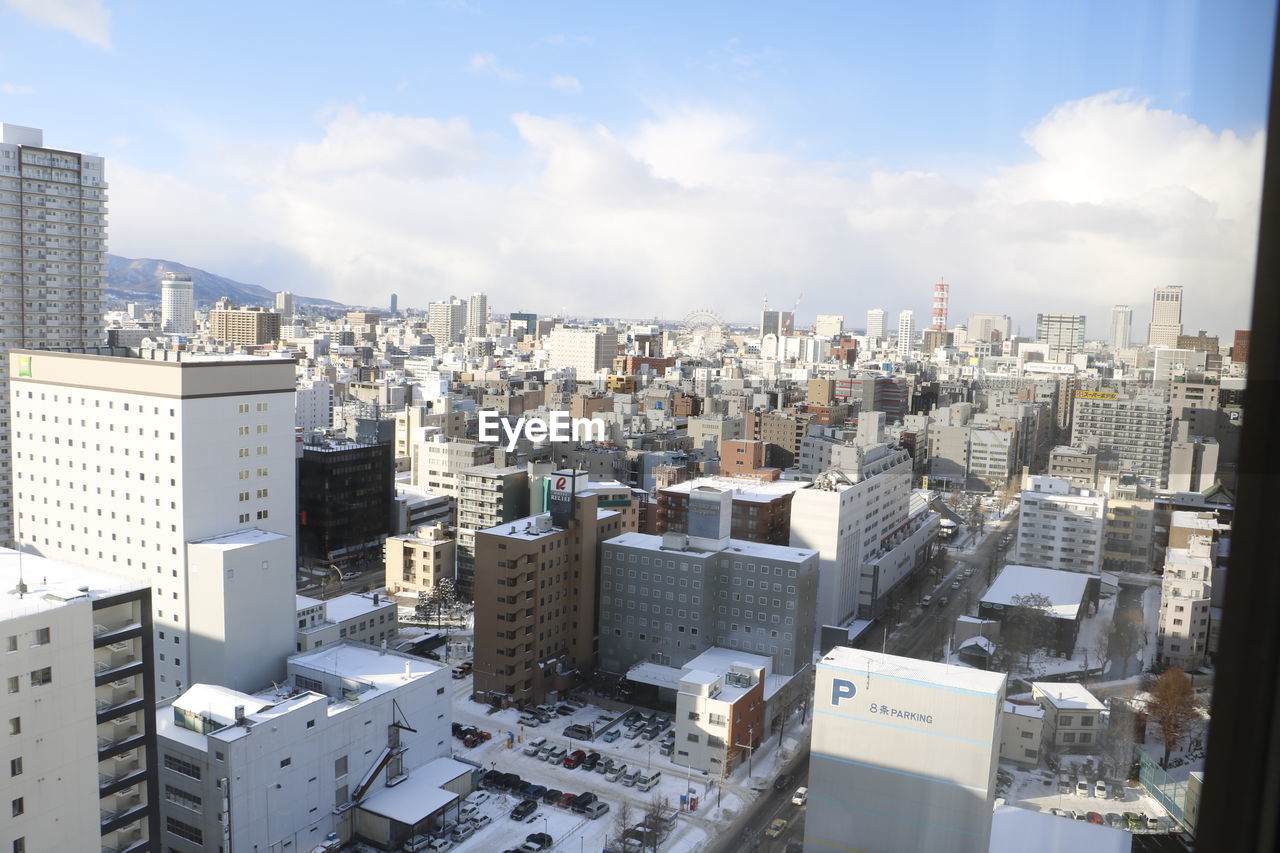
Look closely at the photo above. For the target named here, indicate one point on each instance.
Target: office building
(829, 325)
(176, 473)
(1063, 333)
(477, 316)
(906, 334)
(244, 326)
(535, 594)
(668, 598)
(1121, 327)
(1061, 527)
(284, 766)
(720, 709)
(344, 501)
(584, 351)
(79, 709)
(868, 537)
(877, 323)
(1166, 317)
(394, 307)
(777, 323)
(415, 562)
(988, 327)
(437, 461)
(284, 303)
(52, 254)
(1187, 601)
(1240, 347)
(760, 510)
(523, 323)
(1137, 430)
(447, 322)
(177, 304)
(313, 405)
(894, 740)
(361, 617)
(1077, 465)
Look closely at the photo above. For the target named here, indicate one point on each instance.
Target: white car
(533, 746)
(800, 797)
(477, 798)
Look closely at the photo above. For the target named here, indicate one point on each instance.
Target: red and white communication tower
(941, 293)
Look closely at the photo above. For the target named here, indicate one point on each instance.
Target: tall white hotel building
(53, 224)
(176, 473)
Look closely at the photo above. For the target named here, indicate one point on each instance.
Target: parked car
(552, 796)
(573, 759)
(544, 754)
(604, 766)
(776, 828)
(652, 732)
(526, 808)
(468, 811)
(578, 731)
(1133, 820)
(534, 746)
(458, 672)
(1082, 787)
(1094, 817)
(463, 832)
(667, 747)
(1100, 789)
(490, 779)
(633, 733)
(612, 735)
(648, 783)
(926, 601)
(596, 809)
(1153, 823)
(557, 754)
(564, 710)
(1064, 783)
(477, 798)
(583, 800)
(589, 763)
(541, 839)
(616, 773)
(1060, 812)
(943, 601)
(535, 792)
(1115, 821)
(955, 584)
(1117, 792)
(630, 779)
(800, 797)
(566, 800)
(481, 821)
(782, 782)
(530, 721)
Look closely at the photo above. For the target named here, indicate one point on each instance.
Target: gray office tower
(904, 755)
(395, 302)
(666, 599)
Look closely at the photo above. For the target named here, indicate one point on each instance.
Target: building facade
(177, 304)
(1137, 429)
(53, 230)
(1061, 527)
(1166, 317)
(344, 501)
(244, 326)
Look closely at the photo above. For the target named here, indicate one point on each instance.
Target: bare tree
(1026, 623)
(653, 821)
(1102, 651)
(1124, 635)
(1172, 704)
(443, 595)
(622, 821)
(1117, 741)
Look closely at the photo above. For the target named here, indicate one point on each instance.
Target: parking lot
(1041, 791)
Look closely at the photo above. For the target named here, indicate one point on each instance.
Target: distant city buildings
(1166, 317)
(177, 304)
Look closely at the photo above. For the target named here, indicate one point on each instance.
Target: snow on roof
(305, 602)
(382, 669)
(1024, 710)
(239, 538)
(1189, 520)
(1065, 590)
(743, 488)
(419, 796)
(356, 604)
(981, 642)
(927, 672)
(1011, 827)
(51, 583)
(759, 550)
(1066, 696)
(773, 683)
(720, 659)
(647, 672)
(218, 703)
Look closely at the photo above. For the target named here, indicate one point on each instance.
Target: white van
(647, 783)
(532, 747)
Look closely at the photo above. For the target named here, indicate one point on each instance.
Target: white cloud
(687, 211)
(487, 63)
(565, 83)
(15, 89)
(87, 20)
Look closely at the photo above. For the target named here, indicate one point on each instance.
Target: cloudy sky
(665, 157)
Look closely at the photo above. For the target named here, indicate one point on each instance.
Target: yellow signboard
(1096, 395)
(24, 365)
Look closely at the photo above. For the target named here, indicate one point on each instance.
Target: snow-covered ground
(1038, 790)
(718, 802)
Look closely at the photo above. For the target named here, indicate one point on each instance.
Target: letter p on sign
(841, 689)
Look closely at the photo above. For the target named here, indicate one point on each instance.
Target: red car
(1094, 817)
(573, 759)
(484, 735)
(566, 800)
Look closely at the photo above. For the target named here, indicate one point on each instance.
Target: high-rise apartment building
(1166, 317)
(284, 303)
(1137, 430)
(1064, 333)
(447, 321)
(1060, 527)
(488, 495)
(79, 709)
(477, 315)
(535, 595)
(1121, 327)
(983, 327)
(248, 327)
(1186, 589)
(176, 473)
(906, 333)
(877, 323)
(177, 304)
(894, 739)
(53, 229)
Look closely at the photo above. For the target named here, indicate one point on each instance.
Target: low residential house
(1021, 732)
(1073, 716)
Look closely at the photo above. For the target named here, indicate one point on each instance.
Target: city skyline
(557, 157)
